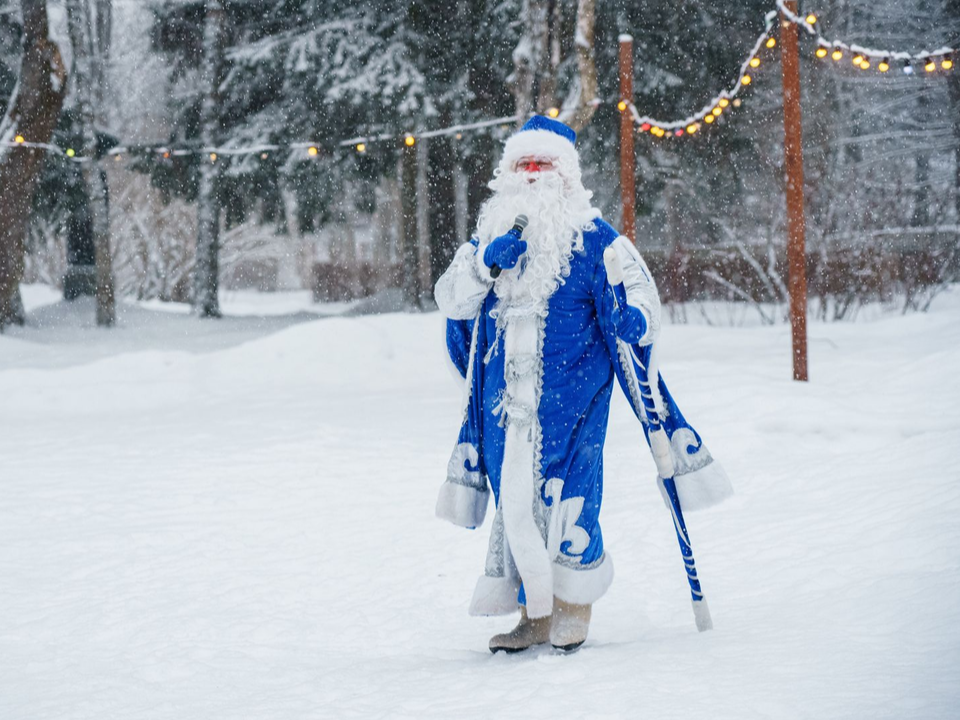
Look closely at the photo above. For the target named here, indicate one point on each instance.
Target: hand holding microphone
(504, 252)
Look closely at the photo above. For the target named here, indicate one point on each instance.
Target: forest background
(308, 81)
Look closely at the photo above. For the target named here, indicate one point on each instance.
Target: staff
(660, 447)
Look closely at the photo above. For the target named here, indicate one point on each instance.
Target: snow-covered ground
(234, 519)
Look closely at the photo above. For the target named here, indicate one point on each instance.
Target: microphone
(517, 231)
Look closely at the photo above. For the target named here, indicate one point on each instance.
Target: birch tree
(31, 115)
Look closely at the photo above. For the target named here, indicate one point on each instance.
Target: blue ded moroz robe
(535, 421)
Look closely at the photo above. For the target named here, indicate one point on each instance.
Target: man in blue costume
(534, 330)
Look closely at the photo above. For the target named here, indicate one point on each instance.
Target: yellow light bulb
(459, 136)
(312, 151)
(837, 54)
(213, 157)
(883, 66)
(409, 140)
(716, 111)
(71, 152)
(20, 139)
(692, 128)
(930, 66)
(723, 102)
(811, 19)
(709, 119)
(746, 79)
(361, 148)
(755, 62)
(771, 42)
(622, 105)
(821, 52)
(865, 65)
(553, 112)
(857, 59)
(947, 64)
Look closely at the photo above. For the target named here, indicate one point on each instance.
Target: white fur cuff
(495, 596)
(700, 489)
(583, 587)
(462, 505)
(483, 272)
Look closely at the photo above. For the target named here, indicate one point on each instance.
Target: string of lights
(941, 59)
(691, 124)
(930, 60)
(933, 61)
(312, 149)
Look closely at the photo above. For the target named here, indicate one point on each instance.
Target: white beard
(558, 208)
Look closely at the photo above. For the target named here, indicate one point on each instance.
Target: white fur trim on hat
(539, 143)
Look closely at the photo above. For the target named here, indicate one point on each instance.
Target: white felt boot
(526, 634)
(568, 631)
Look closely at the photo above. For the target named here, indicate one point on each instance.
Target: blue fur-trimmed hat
(544, 137)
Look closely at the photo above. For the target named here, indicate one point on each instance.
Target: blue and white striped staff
(660, 447)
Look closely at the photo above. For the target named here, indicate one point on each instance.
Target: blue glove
(505, 251)
(629, 323)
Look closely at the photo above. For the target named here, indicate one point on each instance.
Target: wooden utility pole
(628, 221)
(793, 165)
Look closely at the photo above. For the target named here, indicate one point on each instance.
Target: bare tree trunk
(32, 114)
(528, 55)
(549, 59)
(536, 60)
(206, 273)
(952, 13)
(88, 67)
(410, 253)
(101, 56)
(442, 191)
(585, 104)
